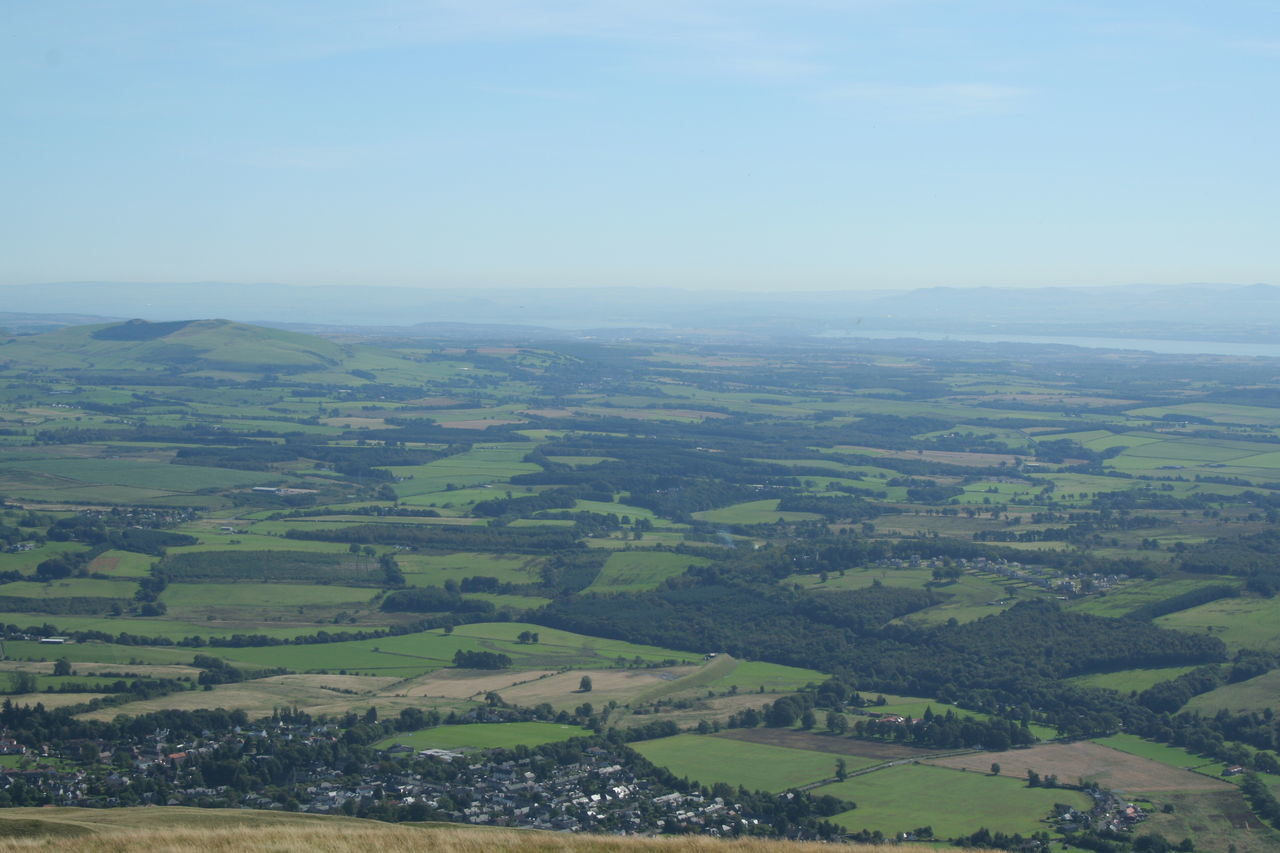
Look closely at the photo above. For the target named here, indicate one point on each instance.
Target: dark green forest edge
(1037, 544)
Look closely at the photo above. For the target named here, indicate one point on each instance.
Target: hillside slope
(188, 345)
(178, 829)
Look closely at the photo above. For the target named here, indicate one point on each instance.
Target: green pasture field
(861, 578)
(634, 512)
(1256, 694)
(484, 736)
(591, 651)
(279, 528)
(277, 425)
(753, 512)
(71, 588)
(157, 626)
(953, 802)
(1084, 486)
(871, 474)
(217, 541)
(1157, 467)
(54, 490)
(509, 412)
(98, 653)
(435, 569)
(1224, 413)
(459, 500)
(353, 518)
(953, 526)
(266, 596)
(629, 571)
(708, 759)
(651, 537)
(1217, 820)
(751, 675)
(992, 492)
(1269, 460)
(581, 461)
(956, 412)
(830, 484)
(26, 561)
(203, 502)
(414, 654)
(1239, 622)
(1197, 450)
(122, 564)
(1127, 680)
(484, 463)
(1080, 437)
(541, 522)
(966, 599)
(148, 475)
(1015, 440)
(1171, 755)
(1131, 596)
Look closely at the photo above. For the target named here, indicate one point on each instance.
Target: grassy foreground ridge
(179, 829)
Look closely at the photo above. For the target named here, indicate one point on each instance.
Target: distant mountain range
(1190, 311)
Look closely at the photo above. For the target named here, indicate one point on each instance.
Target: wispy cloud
(933, 101)
(708, 35)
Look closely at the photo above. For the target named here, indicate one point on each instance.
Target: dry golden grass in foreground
(182, 830)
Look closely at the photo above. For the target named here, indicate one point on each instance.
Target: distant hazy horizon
(786, 145)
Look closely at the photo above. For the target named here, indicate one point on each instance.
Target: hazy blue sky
(702, 143)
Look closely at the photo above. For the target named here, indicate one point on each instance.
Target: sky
(700, 144)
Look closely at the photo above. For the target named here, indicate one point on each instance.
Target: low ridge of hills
(183, 346)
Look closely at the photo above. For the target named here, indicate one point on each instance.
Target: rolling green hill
(189, 346)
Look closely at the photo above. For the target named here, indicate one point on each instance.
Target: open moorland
(178, 829)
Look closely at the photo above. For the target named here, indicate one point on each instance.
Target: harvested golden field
(1087, 760)
(464, 684)
(53, 700)
(180, 830)
(319, 694)
(621, 685)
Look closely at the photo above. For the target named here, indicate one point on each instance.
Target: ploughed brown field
(1086, 760)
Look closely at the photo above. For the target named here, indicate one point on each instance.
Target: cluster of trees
(1256, 557)
(833, 509)
(1261, 799)
(214, 670)
(433, 599)
(92, 531)
(949, 731)
(464, 659)
(491, 539)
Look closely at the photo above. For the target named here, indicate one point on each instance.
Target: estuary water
(1171, 347)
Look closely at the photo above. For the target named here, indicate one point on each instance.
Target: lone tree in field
(584, 686)
(995, 768)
